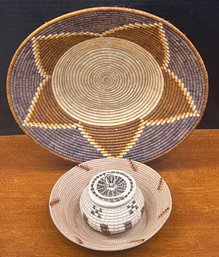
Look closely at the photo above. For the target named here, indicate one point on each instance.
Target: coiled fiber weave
(107, 82)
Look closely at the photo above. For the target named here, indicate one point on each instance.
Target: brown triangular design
(174, 101)
(46, 110)
(150, 37)
(113, 140)
(48, 49)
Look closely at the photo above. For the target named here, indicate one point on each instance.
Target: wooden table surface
(28, 173)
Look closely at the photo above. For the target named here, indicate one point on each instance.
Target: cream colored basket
(65, 210)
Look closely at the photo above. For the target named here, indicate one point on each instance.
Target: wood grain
(28, 173)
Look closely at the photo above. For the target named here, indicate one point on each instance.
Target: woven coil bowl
(107, 82)
(112, 203)
(65, 210)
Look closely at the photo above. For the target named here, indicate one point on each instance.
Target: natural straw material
(112, 203)
(107, 82)
(65, 210)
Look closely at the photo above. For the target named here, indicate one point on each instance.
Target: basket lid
(112, 188)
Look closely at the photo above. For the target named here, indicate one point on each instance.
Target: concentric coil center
(107, 81)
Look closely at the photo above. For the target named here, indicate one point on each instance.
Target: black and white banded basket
(112, 203)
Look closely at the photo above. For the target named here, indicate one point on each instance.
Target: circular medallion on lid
(112, 188)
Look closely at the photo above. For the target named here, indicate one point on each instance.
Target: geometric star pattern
(45, 112)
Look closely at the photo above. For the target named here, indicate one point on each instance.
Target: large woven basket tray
(107, 82)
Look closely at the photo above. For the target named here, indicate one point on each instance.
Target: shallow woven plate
(65, 210)
(107, 81)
